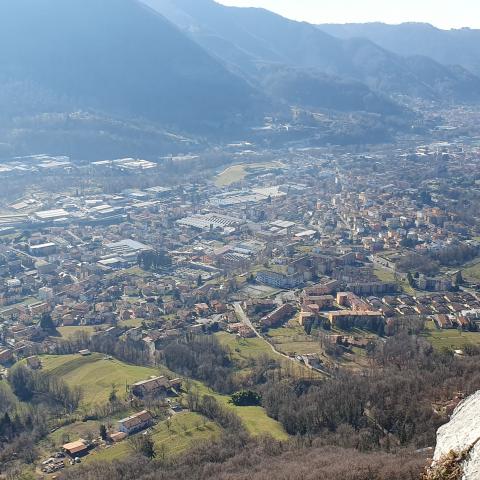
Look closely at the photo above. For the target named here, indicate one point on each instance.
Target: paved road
(243, 317)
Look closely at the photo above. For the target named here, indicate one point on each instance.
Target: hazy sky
(441, 13)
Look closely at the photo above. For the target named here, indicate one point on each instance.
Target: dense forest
(392, 403)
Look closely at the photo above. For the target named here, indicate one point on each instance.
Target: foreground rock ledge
(461, 435)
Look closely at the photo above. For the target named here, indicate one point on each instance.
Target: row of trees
(154, 260)
(415, 262)
(429, 264)
(455, 255)
(128, 350)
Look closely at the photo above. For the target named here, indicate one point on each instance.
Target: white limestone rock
(461, 433)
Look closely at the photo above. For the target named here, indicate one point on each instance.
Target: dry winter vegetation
(353, 427)
(236, 458)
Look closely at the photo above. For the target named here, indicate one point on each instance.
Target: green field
(68, 332)
(233, 174)
(132, 323)
(244, 349)
(237, 173)
(257, 422)
(386, 275)
(135, 271)
(9, 395)
(255, 419)
(186, 430)
(95, 374)
(293, 341)
(452, 338)
(472, 273)
(71, 433)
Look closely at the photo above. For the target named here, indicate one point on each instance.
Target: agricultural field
(184, 431)
(452, 338)
(95, 374)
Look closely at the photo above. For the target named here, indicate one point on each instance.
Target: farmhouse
(117, 437)
(6, 356)
(154, 387)
(135, 423)
(34, 362)
(76, 449)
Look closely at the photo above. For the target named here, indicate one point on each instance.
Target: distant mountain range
(197, 67)
(117, 56)
(448, 47)
(250, 40)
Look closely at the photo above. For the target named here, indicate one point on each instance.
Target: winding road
(243, 317)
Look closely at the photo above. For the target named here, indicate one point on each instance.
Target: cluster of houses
(449, 310)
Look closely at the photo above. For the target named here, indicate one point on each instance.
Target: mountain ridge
(447, 47)
(132, 63)
(266, 38)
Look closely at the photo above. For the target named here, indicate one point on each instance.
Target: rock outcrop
(459, 439)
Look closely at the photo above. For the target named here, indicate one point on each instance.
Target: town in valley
(300, 260)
